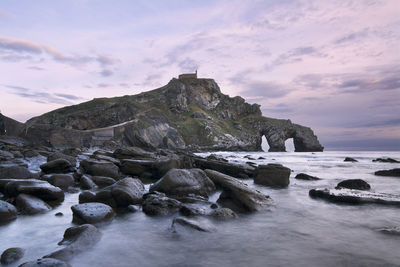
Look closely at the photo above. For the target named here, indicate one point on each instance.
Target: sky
(331, 65)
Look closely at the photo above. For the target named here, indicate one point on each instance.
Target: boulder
(45, 262)
(60, 155)
(348, 159)
(358, 184)
(5, 155)
(303, 176)
(352, 196)
(386, 160)
(183, 182)
(223, 214)
(99, 168)
(238, 195)
(156, 204)
(37, 188)
(103, 181)
(86, 182)
(102, 157)
(236, 170)
(11, 255)
(76, 239)
(151, 168)
(63, 181)
(123, 193)
(7, 212)
(392, 172)
(30, 153)
(16, 172)
(274, 175)
(198, 224)
(30, 205)
(93, 213)
(73, 152)
(132, 153)
(57, 166)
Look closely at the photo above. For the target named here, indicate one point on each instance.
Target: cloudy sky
(330, 65)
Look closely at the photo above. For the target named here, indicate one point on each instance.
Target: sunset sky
(330, 65)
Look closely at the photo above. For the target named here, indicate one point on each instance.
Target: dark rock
(7, 212)
(156, 204)
(390, 230)
(57, 166)
(86, 182)
(199, 115)
(198, 224)
(30, 205)
(16, 172)
(183, 182)
(133, 208)
(154, 169)
(239, 194)
(30, 153)
(5, 155)
(352, 196)
(77, 239)
(274, 175)
(236, 170)
(106, 158)
(303, 176)
(354, 184)
(132, 153)
(59, 214)
(123, 193)
(213, 206)
(191, 210)
(386, 160)
(103, 181)
(59, 155)
(348, 159)
(92, 213)
(249, 157)
(259, 158)
(63, 181)
(73, 152)
(11, 255)
(37, 188)
(223, 214)
(216, 157)
(392, 172)
(100, 168)
(45, 262)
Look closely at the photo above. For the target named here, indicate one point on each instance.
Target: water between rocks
(299, 231)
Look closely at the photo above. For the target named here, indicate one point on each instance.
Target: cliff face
(184, 114)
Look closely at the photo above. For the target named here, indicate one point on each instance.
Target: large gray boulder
(57, 166)
(274, 175)
(132, 153)
(358, 184)
(123, 193)
(198, 224)
(63, 181)
(45, 262)
(16, 172)
(11, 255)
(7, 212)
(179, 182)
(92, 213)
(150, 168)
(37, 188)
(236, 170)
(237, 195)
(158, 204)
(76, 239)
(392, 172)
(30, 205)
(60, 155)
(100, 168)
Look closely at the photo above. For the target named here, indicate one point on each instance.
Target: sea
(297, 231)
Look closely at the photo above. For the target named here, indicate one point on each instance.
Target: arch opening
(289, 145)
(264, 144)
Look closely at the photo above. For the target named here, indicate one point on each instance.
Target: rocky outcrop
(358, 184)
(184, 114)
(307, 177)
(37, 188)
(391, 172)
(274, 175)
(11, 255)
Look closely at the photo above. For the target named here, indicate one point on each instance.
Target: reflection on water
(299, 231)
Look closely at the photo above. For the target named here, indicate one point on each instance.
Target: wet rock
(77, 239)
(57, 166)
(392, 172)
(59, 214)
(216, 157)
(93, 212)
(386, 160)
(45, 262)
(390, 230)
(132, 153)
(11, 255)
(236, 170)
(274, 175)
(16, 172)
(358, 184)
(249, 157)
(100, 168)
(183, 182)
(73, 152)
(237, 195)
(348, 159)
(352, 196)
(5, 155)
(30, 153)
(63, 181)
(37, 188)
(259, 158)
(86, 182)
(106, 158)
(153, 169)
(198, 224)
(103, 181)
(133, 208)
(156, 204)
(123, 193)
(223, 214)
(59, 155)
(7, 212)
(303, 176)
(192, 210)
(30, 205)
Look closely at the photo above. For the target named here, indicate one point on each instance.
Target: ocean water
(298, 231)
